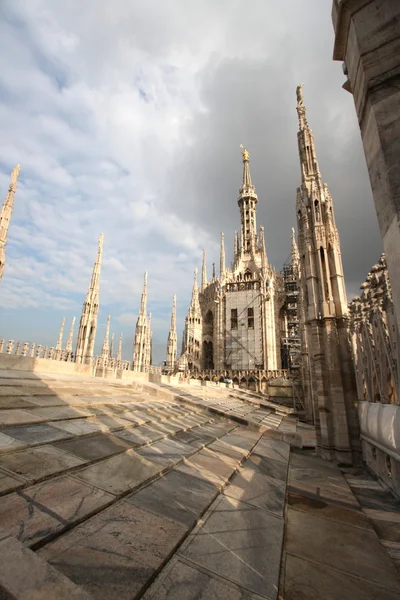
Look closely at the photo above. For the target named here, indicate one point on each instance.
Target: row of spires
(88, 321)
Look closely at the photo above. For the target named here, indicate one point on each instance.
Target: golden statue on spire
(245, 153)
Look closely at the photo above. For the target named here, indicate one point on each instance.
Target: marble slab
(34, 435)
(37, 463)
(334, 511)
(94, 447)
(120, 473)
(167, 427)
(18, 417)
(9, 481)
(313, 581)
(166, 452)
(138, 436)
(52, 413)
(361, 552)
(39, 580)
(220, 446)
(180, 580)
(275, 449)
(81, 426)
(176, 495)
(112, 422)
(251, 486)
(8, 444)
(268, 466)
(23, 519)
(240, 543)
(117, 552)
(209, 466)
(139, 418)
(321, 484)
(193, 438)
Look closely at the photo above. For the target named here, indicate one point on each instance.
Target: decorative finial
(245, 153)
(15, 174)
(299, 93)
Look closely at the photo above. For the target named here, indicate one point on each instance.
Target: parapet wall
(43, 365)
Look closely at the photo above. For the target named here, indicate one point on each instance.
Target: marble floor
(115, 490)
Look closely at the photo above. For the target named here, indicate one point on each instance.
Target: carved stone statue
(245, 153)
(299, 93)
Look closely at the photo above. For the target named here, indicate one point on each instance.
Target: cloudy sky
(126, 118)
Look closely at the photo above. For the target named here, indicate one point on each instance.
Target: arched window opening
(317, 211)
(325, 283)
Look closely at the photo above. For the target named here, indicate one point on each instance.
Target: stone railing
(241, 376)
(109, 365)
(376, 351)
(34, 350)
(375, 339)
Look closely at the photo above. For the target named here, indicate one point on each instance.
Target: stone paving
(114, 490)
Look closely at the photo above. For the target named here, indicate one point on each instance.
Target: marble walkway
(111, 491)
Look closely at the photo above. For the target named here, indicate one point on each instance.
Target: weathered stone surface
(95, 447)
(166, 452)
(181, 581)
(321, 484)
(221, 446)
(336, 512)
(193, 438)
(115, 553)
(240, 543)
(251, 486)
(268, 466)
(36, 463)
(37, 434)
(138, 436)
(7, 443)
(17, 417)
(81, 426)
(361, 553)
(39, 511)
(272, 449)
(9, 481)
(40, 580)
(22, 518)
(178, 496)
(120, 473)
(52, 413)
(313, 581)
(209, 466)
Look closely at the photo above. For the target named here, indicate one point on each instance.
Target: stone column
(367, 40)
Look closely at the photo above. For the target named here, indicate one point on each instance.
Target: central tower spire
(247, 203)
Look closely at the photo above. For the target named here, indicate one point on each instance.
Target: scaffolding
(290, 341)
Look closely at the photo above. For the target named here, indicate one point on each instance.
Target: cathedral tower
(326, 320)
(90, 311)
(5, 216)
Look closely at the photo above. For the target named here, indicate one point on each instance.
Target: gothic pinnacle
(5, 216)
(119, 353)
(204, 272)
(222, 258)
(68, 347)
(105, 351)
(60, 336)
(88, 321)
